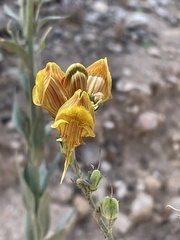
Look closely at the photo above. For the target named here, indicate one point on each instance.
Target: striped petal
(75, 78)
(74, 121)
(99, 80)
(49, 91)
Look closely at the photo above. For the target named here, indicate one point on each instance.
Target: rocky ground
(138, 130)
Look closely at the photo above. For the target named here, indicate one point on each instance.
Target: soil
(138, 130)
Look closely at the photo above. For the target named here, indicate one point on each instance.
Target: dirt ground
(138, 130)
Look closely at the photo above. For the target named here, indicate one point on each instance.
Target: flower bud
(109, 208)
(82, 184)
(97, 100)
(94, 179)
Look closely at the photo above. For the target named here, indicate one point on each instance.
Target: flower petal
(76, 78)
(49, 91)
(99, 79)
(80, 98)
(74, 121)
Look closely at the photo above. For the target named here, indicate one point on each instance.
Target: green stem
(110, 235)
(88, 195)
(30, 39)
(34, 169)
(75, 165)
(31, 76)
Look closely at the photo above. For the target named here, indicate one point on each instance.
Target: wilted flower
(71, 98)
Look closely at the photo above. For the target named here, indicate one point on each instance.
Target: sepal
(109, 208)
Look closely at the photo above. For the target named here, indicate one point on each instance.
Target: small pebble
(82, 206)
(122, 224)
(142, 207)
(154, 52)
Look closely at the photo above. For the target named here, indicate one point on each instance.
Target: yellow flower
(99, 80)
(54, 87)
(76, 78)
(49, 91)
(71, 98)
(74, 121)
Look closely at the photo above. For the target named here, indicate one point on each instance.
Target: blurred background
(137, 131)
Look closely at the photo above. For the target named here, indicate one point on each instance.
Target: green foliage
(14, 47)
(46, 20)
(60, 231)
(46, 173)
(21, 119)
(30, 227)
(43, 214)
(38, 135)
(10, 13)
(27, 194)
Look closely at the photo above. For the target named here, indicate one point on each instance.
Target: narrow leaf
(9, 12)
(38, 135)
(23, 78)
(43, 214)
(20, 119)
(61, 230)
(31, 175)
(13, 47)
(30, 226)
(42, 40)
(42, 22)
(28, 197)
(50, 171)
(42, 177)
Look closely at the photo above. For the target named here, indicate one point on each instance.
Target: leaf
(43, 21)
(15, 48)
(31, 175)
(43, 214)
(30, 226)
(38, 134)
(45, 178)
(11, 13)
(20, 119)
(41, 44)
(28, 197)
(42, 177)
(61, 230)
(23, 78)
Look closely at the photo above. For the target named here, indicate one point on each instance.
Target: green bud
(82, 184)
(109, 208)
(97, 100)
(94, 179)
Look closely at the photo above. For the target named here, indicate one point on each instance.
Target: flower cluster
(71, 98)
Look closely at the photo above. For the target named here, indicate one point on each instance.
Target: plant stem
(110, 235)
(96, 213)
(31, 56)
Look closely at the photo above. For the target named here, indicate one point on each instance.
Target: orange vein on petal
(74, 122)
